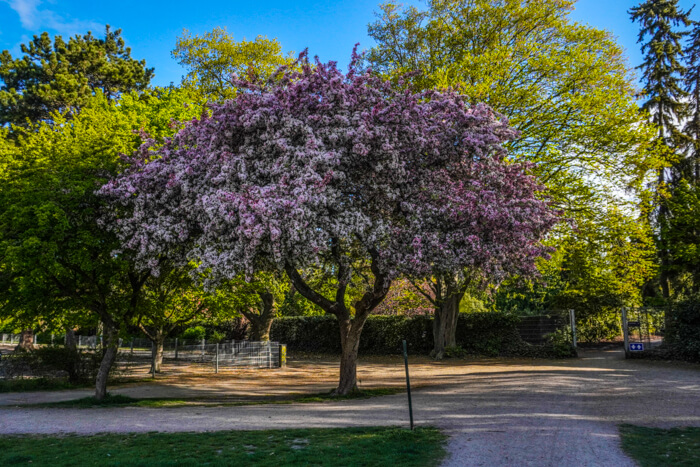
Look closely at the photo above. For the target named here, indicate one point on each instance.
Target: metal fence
(643, 328)
(9, 339)
(538, 329)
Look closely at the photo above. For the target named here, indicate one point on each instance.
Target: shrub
(682, 336)
(195, 333)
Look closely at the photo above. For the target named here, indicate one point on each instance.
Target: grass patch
(38, 384)
(118, 400)
(336, 446)
(652, 447)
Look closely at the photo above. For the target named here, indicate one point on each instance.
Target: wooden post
(625, 332)
(408, 383)
(283, 355)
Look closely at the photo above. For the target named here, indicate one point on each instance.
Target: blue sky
(328, 28)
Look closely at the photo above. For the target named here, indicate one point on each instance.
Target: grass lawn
(126, 401)
(652, 447)
(336, 446)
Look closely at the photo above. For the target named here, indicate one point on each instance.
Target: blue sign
(636, 347)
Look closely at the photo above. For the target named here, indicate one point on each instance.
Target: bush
(195, 333)
(682, 336)
(488, 333)
(77, 365)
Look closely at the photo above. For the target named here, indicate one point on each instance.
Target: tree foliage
(62, 76)
(214, 59)
(342, 172)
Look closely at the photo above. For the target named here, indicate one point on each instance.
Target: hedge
(490, 334)
(682, 336)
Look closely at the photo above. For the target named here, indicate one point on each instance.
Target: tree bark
(108, 357)
(26, 340)
(260, 324)
(71, 342)
(157, 350)
(445, 320)
(350, 331)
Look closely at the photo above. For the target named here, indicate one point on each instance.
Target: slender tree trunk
(26, 340)
(108, 357)
(157, 352)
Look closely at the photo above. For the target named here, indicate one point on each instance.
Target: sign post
(408, 383)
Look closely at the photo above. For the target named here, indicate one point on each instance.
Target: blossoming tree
(342, 172)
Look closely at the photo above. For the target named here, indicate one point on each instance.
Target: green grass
(126, 401)
(337, 446)
(37, 384)
(652, 447)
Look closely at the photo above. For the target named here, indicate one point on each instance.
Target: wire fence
(539, 329)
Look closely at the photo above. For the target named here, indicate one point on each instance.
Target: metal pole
(572, 317)
(217, 357)
(132, 346)
(408, 383)
(176, 348)
(625, 331)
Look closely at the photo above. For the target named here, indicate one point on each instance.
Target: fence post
(36, 339)
(283, 355)
(408, 382)
(625, 331)
(217, 357)
(176, 348)
(572, 317)
(269, 355)
(203, 343)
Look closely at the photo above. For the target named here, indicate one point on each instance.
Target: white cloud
(36, 19)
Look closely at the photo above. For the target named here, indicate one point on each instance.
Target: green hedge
(489, 334)
(682, 336)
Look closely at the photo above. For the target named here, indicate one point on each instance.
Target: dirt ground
(496, 411)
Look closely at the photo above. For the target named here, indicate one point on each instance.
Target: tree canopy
(59, 76)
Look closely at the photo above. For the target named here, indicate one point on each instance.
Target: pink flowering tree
(342, 172)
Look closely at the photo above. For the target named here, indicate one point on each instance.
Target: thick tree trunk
(108, 357)
(260, 324)
(71, 342)
(157, 351)
(26, 340)
(350, 331)
(445, 322)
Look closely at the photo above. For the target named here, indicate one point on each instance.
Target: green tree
(565, 86)
(213, 59)
(55, 255)
(662, 72)
(62, 76)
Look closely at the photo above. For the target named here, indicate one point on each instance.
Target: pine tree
(62, 76)
(692, 87)
(662, 75)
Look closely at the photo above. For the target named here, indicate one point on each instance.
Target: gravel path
(539, 413)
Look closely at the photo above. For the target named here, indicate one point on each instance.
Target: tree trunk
(445, 321)
(350, 343)
(71, 342)
(157, 351)
(26, 340)
(260, 324)
(108, 357)
(260, 328)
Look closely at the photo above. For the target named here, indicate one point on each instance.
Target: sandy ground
(496, 412)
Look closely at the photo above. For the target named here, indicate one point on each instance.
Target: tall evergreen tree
(62, 76)
(692, 87)
(662, 75)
